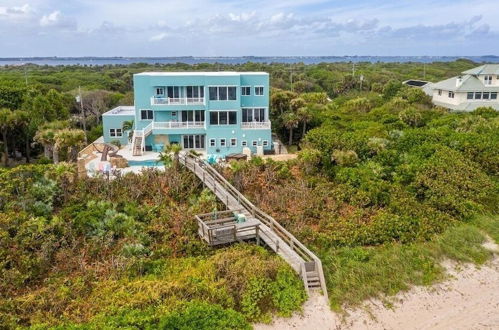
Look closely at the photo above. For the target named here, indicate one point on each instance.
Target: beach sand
(469, 299)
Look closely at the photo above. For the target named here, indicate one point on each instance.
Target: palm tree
(5, 125)
(71, 139)
(46, 137)
(169, 151)
(305, 116)
(290, 120)
(22, 120)
(128, 127)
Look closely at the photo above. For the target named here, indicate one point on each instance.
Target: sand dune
(468, 300)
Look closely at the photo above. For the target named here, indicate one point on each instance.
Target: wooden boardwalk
(276, 237)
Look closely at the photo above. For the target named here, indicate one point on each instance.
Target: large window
(146, 114)
(222, 93)
(173, 92)
(486, 95)
(478, 95)
(223, 117)
(253, 114)
(259, 90)
(192, 115)
(115, 132)
(195, 91)
(193, 142)
(160, 91)
(493, 96)
(451, 94)
(488, 80)
(470, 95)
(245, 90)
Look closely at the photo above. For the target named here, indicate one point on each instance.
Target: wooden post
(257, 235)
(276, 245)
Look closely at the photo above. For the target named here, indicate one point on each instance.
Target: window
(213, 142)
(115, 132)
(488, 80)
(233, 142)
(222, 93)
(486, 95)
(493, 96)
(439, 92)
(245, 90)
(478, 95)
(213, 91)
(146, 114)
(192, 115)
(256, 114)
(470, 95)
(195, 92)
(254, 143)
(223, 117)
(244, 143)
(174, 113)
(222, 142)
(160, 91)
(451, 94)
(265, 143)
(193, 141)
(173, 92)
(259, 90)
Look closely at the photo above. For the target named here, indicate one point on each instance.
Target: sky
(162, 28)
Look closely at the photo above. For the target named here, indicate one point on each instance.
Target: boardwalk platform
(259, 225)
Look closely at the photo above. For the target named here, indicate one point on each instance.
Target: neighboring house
(475, 88)
(218, 113)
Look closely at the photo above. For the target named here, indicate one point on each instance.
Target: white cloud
(57, 20)
(159, 37)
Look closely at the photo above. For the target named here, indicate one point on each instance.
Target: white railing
(256, 124)
(177, 100)
(177, 124)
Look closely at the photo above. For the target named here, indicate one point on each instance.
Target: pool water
(147, 163)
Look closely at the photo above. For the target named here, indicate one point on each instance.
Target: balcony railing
(177, 124)
(256, 124)
(177, 100)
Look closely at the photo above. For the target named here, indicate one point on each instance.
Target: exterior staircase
(276, 237)
(137, 145)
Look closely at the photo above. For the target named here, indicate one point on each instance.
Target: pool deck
(126, 152)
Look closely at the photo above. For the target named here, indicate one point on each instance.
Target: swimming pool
(147, 163)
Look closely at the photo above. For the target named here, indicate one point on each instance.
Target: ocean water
(97, 61)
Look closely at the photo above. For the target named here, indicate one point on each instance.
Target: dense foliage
(126, 252)
(395, 172)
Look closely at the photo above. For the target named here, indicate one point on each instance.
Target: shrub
(203, 316)
(345, 157)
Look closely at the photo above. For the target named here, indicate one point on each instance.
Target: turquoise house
(216, 113)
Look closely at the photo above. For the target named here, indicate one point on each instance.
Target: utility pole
(84, 119)
(424, 71)
(353, 69)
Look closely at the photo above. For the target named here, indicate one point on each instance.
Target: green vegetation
(385, 187)
(99, 254)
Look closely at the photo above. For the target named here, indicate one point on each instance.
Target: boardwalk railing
(310, 263)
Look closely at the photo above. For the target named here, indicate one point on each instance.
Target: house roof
(469, 83)
(121, 110)
(193, 73)
(484, 69)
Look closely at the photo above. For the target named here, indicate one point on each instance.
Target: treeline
(48, 93)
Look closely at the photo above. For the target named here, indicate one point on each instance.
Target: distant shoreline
(123, 60)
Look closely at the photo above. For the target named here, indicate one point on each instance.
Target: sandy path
(469, 300)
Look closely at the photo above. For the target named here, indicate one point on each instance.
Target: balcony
(256, 125)
(177, 124)
(177, 101)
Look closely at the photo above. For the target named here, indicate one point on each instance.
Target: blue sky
(259, 27)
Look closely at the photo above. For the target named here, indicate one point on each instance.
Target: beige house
(475, 88)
